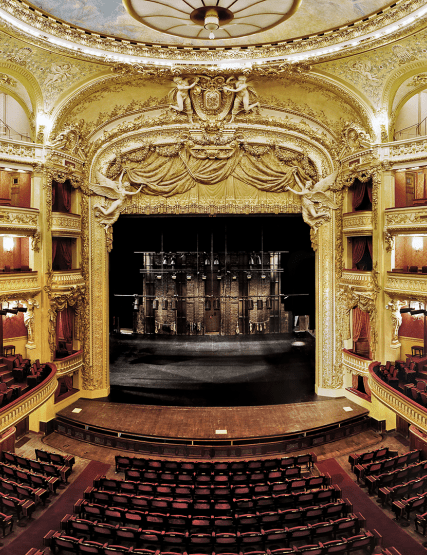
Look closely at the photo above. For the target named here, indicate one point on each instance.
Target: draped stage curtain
(67, 318)
(54, 186)
(369, 244)
(359, 189)
(65, 192)
(54, 247)
(361, 327)
(65, 246)
(171, 175)
(359, 245)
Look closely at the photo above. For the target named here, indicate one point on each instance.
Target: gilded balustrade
(20, 151)
(406, 285)
(358, 223)
(69, 365)
(15, 219)
(355, 364)
(406, 150)
(22, 407)
(406, 220)
(66, 224)
(19, 283)
(403, 406)
(67, 279)
(357, 278)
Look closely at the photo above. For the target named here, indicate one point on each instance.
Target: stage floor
(203, 423)
(212, 370)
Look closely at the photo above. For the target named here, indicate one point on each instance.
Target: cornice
(79, 40)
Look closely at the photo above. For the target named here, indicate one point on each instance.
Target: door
(212, 313)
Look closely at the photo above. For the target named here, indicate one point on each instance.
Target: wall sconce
(417, 243)
(8, 243)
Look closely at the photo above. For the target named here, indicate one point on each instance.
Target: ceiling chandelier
(216, 19)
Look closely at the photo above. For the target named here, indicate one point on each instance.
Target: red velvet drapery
(359, 189)
(65, 192)
(359, 246)
(54, 247)
(361, 327)
(65, 246)
(66, 321)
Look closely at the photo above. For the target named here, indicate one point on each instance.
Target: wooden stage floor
(204, 422)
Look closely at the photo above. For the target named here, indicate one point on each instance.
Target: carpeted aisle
(392, 533)
(32, 536)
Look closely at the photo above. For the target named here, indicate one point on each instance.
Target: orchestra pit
(213, 277)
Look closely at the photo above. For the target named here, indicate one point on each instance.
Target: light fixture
(211, 22)
(8, 243)
(417, 243)
(203, 276)
(173, 276)
(188, 277)
(207, 305)
(159, 277)
(249, 276)
(263, 276)
(136, 302)
(216, 260)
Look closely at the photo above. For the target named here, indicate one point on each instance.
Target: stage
(265, 369)
(196, 431)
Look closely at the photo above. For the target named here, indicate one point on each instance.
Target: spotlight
(22, 309)
(11, 310)
(136, 302)
(218, 277)
(159, 277)
(251, 261)
(405, 310)
(173, 276)
(249, 276)
(216, 261)
(203, 276)
(188, 277)
(263, 276)
(419, 311)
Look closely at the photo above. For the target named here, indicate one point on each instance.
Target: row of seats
(398, 461)
(395, 477)
(55, 458)
(370, 456)
(58, 541)
(245, 521)
(400, 491)
(20, 507)
(34, 479)
(124, 463)
(209, 481)
(215, 506)
(47, 469)
(38, 495)
(404, 507)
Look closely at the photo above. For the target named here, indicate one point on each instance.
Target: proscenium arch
(96, 374)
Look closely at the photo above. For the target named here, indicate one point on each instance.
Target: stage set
(212, 311)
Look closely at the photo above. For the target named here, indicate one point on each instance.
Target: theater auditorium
(213, 277)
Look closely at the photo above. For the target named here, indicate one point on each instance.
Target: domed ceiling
(181, 22)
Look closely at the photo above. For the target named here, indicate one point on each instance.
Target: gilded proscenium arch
(97, 345)
(133, 13)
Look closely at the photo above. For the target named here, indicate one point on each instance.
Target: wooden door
(212, 313)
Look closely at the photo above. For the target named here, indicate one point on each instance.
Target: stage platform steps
(229, 432)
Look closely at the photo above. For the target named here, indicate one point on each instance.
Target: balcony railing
(357, 223)
(64, 279)
(409, 219)
(14, 218)
(403, 150)
(357, 278)
(405, 407)
(407, 282)
(355, 364)
(20, 151)
(69, 365)
(19, 409)
(66, 224)
(19, 282)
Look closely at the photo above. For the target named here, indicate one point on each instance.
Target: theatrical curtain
(359, 248)
(54, 186)
(177, 174)
(361, 326)
(54, 248)
(65, 192)
(67, 319)
(65, 246)
(359, 189)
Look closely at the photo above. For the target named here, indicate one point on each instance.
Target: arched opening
(14, 123)
(212, 311)
(412, 119)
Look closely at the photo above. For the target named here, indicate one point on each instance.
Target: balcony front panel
(357, 278)
(406, 150)
(23, 406)
(69, 365)
(66, 279)
(19, 282)
(406, 220)
(406, 284)
(66, 224)
(18, 220)
(355, 364)
(20, 151)
(358, 223)
(403, 406)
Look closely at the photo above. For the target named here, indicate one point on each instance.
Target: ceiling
(265, 23)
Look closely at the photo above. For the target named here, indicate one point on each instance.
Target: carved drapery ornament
(61, 176)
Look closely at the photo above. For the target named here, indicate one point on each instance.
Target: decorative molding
(406, 286)
(19, 283)
(398, 403)
(358, 279)
(406, 220)
(358, 223)
(406, 150)
(355, 364)
(66, 224)
(24, 220)
(69, 365)
(20, 151)
(22, 407)
(66, 279)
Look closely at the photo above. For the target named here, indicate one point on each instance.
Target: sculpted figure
(114, 191)
(396, 319)
(242, 97)
(57, 74)
(315, 202)
(183, 100)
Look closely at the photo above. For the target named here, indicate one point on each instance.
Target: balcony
(19, 282)
(14, 412)
(64, 224)
(358, 223)
(65, 279)
(406, 283)
(20, 151)
(405, 407)
(408, 220)
(404, 151)
(18, 220)
(69, 365)
(355, 364)
(357, 278)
